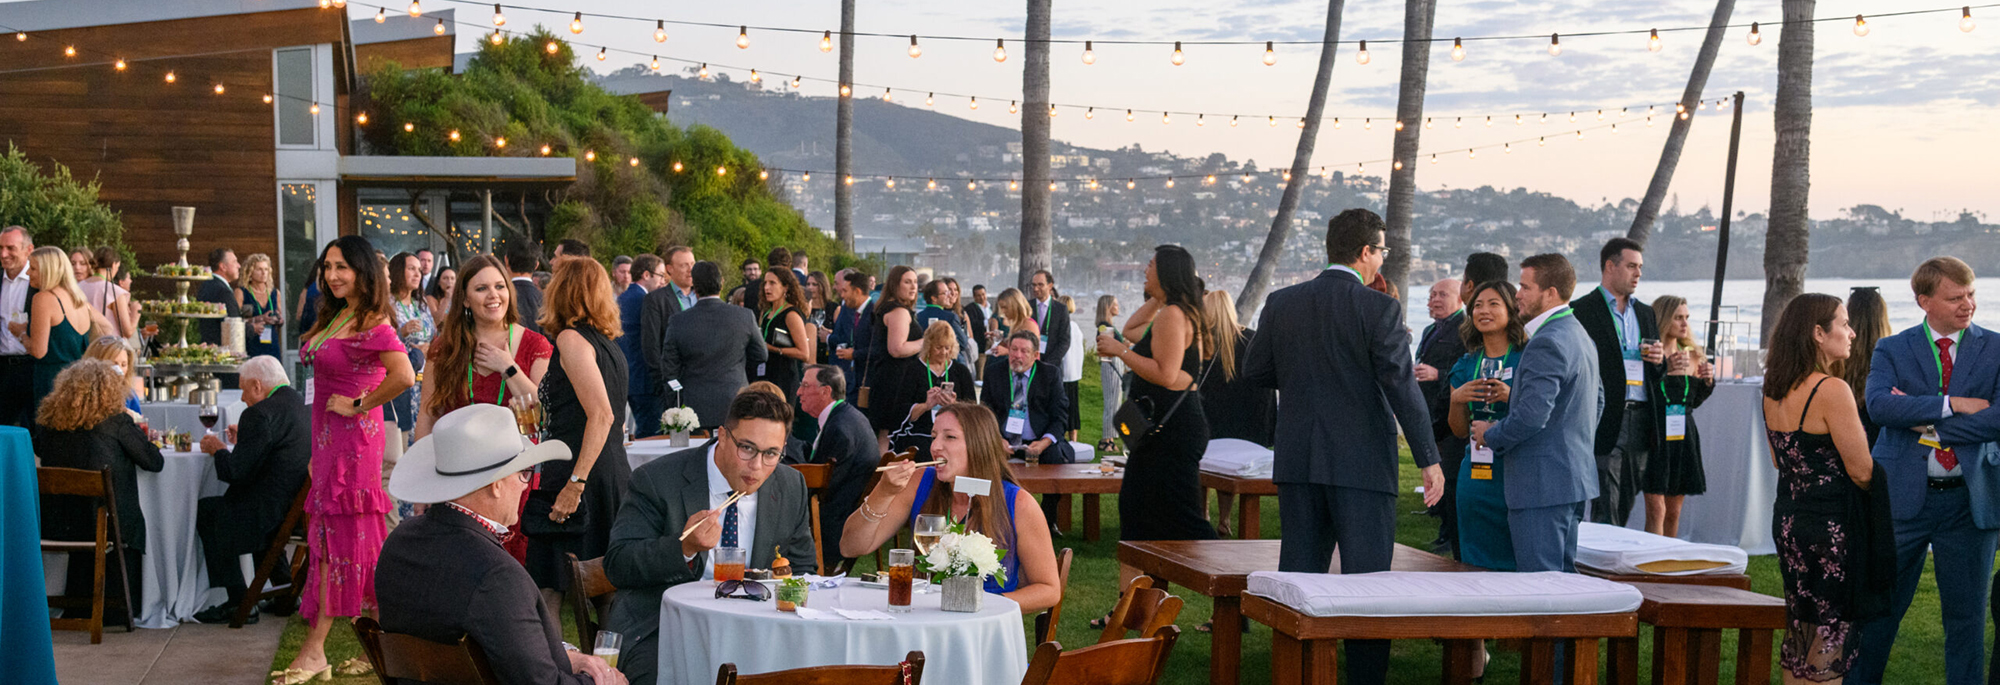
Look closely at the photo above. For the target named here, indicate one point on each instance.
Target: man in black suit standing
(1620, 326)
(264, 471)
(707, 349)
(655, 313)
(844, 440)
(17, 367)
(218, 290)
(521, 262)
(1050, 314)
(1027, 396)
(1340, 356)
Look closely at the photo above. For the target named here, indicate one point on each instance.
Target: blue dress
(1008, 559)
(1484, 540)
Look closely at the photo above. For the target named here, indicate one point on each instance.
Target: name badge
(1507, 374)
(265, 336)
(1930, 438)
(1017, 422)
(1635, 371)
(760, 369)
(1482, 455)
(1677, 422)
(1045, 345)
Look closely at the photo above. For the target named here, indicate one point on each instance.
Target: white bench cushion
(1240, 458)
(1404, 593)
(1625, 551)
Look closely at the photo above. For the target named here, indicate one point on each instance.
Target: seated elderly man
(444, 575)
(264, 470)
(844, 441)
(647, 556)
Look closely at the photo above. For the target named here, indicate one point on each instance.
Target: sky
(1904, 118)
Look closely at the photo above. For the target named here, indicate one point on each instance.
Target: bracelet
(868, 512)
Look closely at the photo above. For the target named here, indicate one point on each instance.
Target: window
(298, 238)
(294, 75)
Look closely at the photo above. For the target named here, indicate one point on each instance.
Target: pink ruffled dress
(347, 504)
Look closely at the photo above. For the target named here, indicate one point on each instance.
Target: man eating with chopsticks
(730, 492)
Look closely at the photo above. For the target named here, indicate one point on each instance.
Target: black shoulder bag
(1136, 424)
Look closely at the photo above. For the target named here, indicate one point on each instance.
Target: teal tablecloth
(26, 654)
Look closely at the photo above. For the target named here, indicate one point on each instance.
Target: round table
(701, 633)
(174, 582)
(186, 418)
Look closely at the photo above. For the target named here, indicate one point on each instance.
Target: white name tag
(1017, 422)
(1507, 374)
(265, 336)
(969, 486)
(1677, 423)
(1045, 345)
(1482, 455)
(1635, 372)
(760, 369)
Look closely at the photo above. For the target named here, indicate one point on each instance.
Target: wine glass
(1489, 370)
(209, 415)
(928, 529)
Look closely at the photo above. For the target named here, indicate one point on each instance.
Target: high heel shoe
(300, 676)
(355, 666)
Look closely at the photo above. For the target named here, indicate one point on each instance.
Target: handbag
(1134, 418)
(535, 521)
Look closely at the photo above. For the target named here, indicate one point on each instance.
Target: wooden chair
(816, 477)
(399, 657)
(1142, 608)
(1045, 622)
(291, 532)
(97, 486)
(909, 672)
(590, 596)
(1138, 661)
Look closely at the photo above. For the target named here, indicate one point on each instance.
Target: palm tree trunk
(1259, 282)
(1670, 156)
(1036, 234)
(843, 134)
(1786, 241)
(1417, 18)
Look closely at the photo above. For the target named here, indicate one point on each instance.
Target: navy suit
(1544, 444)
(846, 321)
(1340, 358)
(1048, 405)
(644, 399)
(1955, 521)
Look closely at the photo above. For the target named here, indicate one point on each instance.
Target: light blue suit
(1545, 444)
(1957, 524)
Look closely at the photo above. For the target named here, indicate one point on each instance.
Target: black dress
(1675, 465)
(916, 433)
(780, 370)
(115, 443)
(1161, 497)
(1815, 533)
(1238, 409)
(893, 383)
(604, 488)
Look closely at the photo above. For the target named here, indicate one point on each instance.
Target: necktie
(1020, 390)
(1945, 455)
(729, 526)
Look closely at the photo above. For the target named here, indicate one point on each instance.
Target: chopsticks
(918, 465)
(725, 505)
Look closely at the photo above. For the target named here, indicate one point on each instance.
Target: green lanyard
(1617, 319)
(500, 399)
(1011, 399)
(1558, 315)
(1936, 356)
(1686, 391)
(932, 377)
(774, 316)
(317, 343)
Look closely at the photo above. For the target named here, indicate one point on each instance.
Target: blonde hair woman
(1017, 316)
(945, 376)
(1673, 471)
(60, 319)
(110, 300)
(263, 308)
(111, 349)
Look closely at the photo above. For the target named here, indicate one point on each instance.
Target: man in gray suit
(686, 489)
(1340, 355)
(707, 348)
(1545, 442)
(655, 312)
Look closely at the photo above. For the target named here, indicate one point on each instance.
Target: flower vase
(680, 439)
(963, 594)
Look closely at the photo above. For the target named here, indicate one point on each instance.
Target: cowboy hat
(483, 446)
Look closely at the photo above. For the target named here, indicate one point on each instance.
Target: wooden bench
(1688, 621)
(1730, 580)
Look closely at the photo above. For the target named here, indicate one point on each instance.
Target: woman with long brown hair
(482, 354)
(1868, 315)
(1673, 471)
(968, 440)
(358, 365)
(111, 300)
(1481, 383)
(787, 336)
(893, 348)
(583, 394)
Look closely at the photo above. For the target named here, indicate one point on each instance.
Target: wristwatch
(575, 479)
(357, 403)
(511, 371)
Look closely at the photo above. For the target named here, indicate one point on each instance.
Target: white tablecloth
(175, 577)
(701, 633)
(643, 452)
(1742, 483)
(186, 418)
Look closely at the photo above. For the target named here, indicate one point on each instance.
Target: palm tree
(1670, 156)
(1786, 240)
(1417, 18)
(843, 134)
(1259, 282)
(1036, 234)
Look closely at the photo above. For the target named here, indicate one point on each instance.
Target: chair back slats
(405, 657)
(1138, 661)
(1046, 622)
(909, 672)
(77, 482)
(1141, 609)
(589, 595)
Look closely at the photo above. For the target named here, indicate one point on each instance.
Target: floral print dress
(1811, 527)
(346, 501)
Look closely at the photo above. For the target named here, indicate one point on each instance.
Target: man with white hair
(444, 576)
(265, 470)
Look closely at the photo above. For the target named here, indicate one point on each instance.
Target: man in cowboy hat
(444, 575)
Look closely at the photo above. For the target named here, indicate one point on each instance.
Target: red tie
(1945, 455)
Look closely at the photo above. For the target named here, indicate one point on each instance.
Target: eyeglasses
(747, 451)
(752, 590)
(1384, 249)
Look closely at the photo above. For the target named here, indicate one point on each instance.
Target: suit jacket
(1340, 358)
(442, 576)
(706, 350)
(271, 460)
(848, 443)
(1903, 362)
(1048, 404)
(975, 319)
(1595, 315)
(644, 558)
(1440, 347)
(116, 443)
(639, 376)
(528, 304)
(1056, 326)
(219, 292)
(846, 322)
(655, 310)
(1544, 442)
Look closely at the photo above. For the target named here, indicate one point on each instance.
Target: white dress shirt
(746, 512)
(13, 300)
(1535, 324)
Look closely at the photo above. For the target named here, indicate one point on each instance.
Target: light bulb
(1399, 165)
(1052, 111)
(1232, 121)
(795, 83)
(1130, 184)
(1336, 123)
(1544, 119)
(1201, 119)
(1434, 159)
(1489, 121)
(1427, 124)
(1270, 56)
(1000, 50)
(601, 55)
(1170, 182)
(69, 51)
(496, 38)
(119, 65)
(660, 31)
(677, 165)
(22, 36)
(759, 78)
(930, 99)
(499, 142)
(381, 15)
(1860, 25)
(1457, 50)
(1166, 118)
(439, 28)
(1579, 135)
(826, 42)
(1368, 124)
(1272, 120)
(1542, 142)
(416, 8)
(1090, 55)
(551, 47)
(655, 63)
(1210, 180)
(885, 94)
(1013, 185)
(1653, 41)
(722, 171)
(1965, 23)
(499, 18)
(1755, 36)
(703, 74)
(742, 37)
(1555, 45)
(453, 135)
(1178, 58)
(1684, 116)
(546, 150)
(971, 185)
(1471, 154)
(763, 174)
(1507, 148)
(576, 23)
(170, 79)
(1090, 113)
(1458, 123)
(408, 127)
(1013, 107)
(1572, 117)
(1128, 115)
(1361, 57)
(1600, 115)
(1614, 129)
(845, 90)
(807, 177)
(931, 184)
(975, 102)
(1302, 122)
(218, 91)
(915, 50)
(1518, 121)
(590, 155)
(1649, 122)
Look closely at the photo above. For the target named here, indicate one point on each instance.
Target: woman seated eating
(967, 439)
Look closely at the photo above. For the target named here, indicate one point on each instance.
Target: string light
(1427, 124)
(1170, 182)
(381, 15)
(439, 28)
(69, 51)
(408, 127)
(1399, 165)
(1013, 107)
(576, 24)
(885, 94)
(1273, 120)
(22, 36)
(590, 155)
(218, 90)
(756, 77)
(1090, 113)
(1965, 23)
(1555, 45)
(1052, 111)
(1755, 36)
(416, 8)
(1653, 41)
(602, 54)
(170, 77)
(915, 50)
(975, 103)
(1368, 124)
(1178, 58)
(1361, 57)
(742, 37)
(1270, 56)
(551, 47)
(1000, 50)
(660, 31)
(119, 65)
(1457, 50)
(546, 150)
(826, 42)
(1201, 120)
(1090, 55)
(656, 63)
(1458, 123)
(497, 39)
(453, 135)
(1128, 115)
(1302, 122)
(677, 164)
(499, 18)
(499, 142)
(1131, 184)
(1489, 121)
(971, 185)
(1542, 142)
(931, 185)
(1860, 26)
(846, 91)
(703, 74)
(722, 171)
(1336, 123)
(1166, 118)
(795, 83)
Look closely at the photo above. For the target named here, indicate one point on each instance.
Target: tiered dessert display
(182, 369)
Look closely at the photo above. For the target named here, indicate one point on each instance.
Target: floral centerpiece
(965, 560)
(679, 422)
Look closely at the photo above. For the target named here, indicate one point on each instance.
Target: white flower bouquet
(964, 554)
(679, 420)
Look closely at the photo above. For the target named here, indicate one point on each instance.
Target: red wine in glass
(208, 416)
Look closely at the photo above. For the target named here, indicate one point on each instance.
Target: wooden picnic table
(1059, 480)
(1305, 649)
(1249, 493)
(1220, 569)
(1688, 621)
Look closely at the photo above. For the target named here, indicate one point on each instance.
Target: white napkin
(815, 614)
(864, 615)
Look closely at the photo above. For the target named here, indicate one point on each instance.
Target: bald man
(1437, 350)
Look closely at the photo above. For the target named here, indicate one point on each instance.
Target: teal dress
(1482, 502)
(66, 345)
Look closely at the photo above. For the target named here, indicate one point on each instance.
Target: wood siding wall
(433, 52)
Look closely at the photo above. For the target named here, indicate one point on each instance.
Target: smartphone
(947, 387)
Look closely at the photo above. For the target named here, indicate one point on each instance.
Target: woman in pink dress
(358, 365)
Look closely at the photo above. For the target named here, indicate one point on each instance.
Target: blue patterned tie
(729, 527)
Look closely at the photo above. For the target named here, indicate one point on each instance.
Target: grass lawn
(1918, 658)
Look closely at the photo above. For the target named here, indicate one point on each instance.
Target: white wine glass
(927, 530)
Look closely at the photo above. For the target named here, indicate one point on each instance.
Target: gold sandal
(300, 676)
(353, 667)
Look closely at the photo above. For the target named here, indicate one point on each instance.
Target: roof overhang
(463, 173)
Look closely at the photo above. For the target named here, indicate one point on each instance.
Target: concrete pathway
(190, 653)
